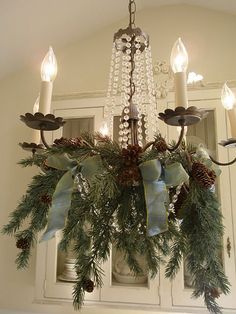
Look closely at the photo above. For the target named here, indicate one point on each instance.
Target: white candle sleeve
(181, 98)
(232, 121)
(36, 136)
(45, 97)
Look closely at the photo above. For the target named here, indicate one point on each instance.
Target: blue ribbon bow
(156, 195)
(61, 200)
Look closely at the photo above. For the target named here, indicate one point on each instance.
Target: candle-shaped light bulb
(179, 64)
(36, 105)
(36, 133)
(104, 129)
(49, 66)
(228, 101)
(227, 97)
(179, 57)
(48, 74)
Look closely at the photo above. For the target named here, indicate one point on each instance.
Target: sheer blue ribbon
(61, 200)
(155, 182)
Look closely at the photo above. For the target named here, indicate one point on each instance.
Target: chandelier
(141, 195)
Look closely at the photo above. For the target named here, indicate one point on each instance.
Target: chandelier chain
(132, 11)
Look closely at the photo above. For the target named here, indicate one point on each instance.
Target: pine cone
(130, 154)
(44, 167)
(205, 177)
(102, 138)
(23, 244)
(181, 198)
(65, 142)
(46, 199)
(88, 285)
(129, 176)
(160, 145)
(215, 293)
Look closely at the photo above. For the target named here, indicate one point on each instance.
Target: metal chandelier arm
(149, 144)
(223, 163)
(43, 139)
(181, 136)
(176, 146)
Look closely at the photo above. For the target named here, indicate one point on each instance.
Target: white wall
(83, 66)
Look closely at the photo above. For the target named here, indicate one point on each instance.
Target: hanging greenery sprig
(154, 203)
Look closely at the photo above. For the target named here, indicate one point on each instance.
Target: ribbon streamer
(156, 194)
(61, 200)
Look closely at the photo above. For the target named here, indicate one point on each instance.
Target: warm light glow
(49, 67)
(179, 57)
(227, 97)
(179, 130)
(194, 78)
(104, 129)
(36, 105)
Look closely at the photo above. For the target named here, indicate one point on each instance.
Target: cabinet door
(78, 120)
(124, 288)
(115, 290)
(210, 131)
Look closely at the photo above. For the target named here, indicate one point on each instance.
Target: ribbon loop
(61, 200)
(156, 194)
(175, 174)
(61, 162)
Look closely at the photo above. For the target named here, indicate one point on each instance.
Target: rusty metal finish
(219, 163)
(39, 121)
(181, 136)
(132, 11)
(229, 143)
(123, 33)
(135, 33)
(32, 147)
(190, 115)
(43, 139)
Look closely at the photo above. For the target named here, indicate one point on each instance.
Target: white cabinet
(160, 292)
(209, 99)
(140, 293)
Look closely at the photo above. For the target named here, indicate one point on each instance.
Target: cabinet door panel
(79, 120)
(55, 288)
(138, 293)
(212, 129)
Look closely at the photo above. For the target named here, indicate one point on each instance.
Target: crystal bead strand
(110, 98)
(115, 85)
(153, 119)
(82, 184)
(174, 198)
(126, 68)
(124, 97)
(143, 93)
(138, 91)
(127, 131)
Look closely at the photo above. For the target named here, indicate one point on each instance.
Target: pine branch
(177, 249)
(35, 210)
(204, 219)
(35, 160)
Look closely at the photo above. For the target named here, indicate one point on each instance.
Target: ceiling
(27, 26)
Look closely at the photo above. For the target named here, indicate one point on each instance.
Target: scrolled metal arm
(171, 148)
(181, 136)
(223, 163)
(43, 139)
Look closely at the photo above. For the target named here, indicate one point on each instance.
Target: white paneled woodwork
(159, 293)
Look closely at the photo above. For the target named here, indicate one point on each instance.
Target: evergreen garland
(112, 211)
